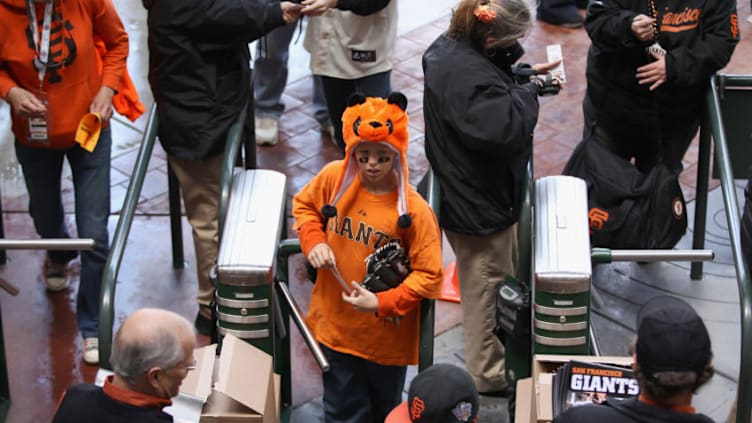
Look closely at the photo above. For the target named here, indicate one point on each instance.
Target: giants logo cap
(443, 393)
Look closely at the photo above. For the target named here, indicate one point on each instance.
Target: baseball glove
(386, 268)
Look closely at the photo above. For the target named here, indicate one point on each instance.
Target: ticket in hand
(553, 52)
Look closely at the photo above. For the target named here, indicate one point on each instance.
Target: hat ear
(355, 99)
(399, 99)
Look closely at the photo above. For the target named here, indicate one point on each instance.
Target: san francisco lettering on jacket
(684, 20)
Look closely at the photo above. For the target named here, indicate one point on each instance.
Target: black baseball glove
(386, 268)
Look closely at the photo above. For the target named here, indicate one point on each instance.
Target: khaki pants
(199, 184)
(482, 263)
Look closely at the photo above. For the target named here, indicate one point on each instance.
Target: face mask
(507, 56)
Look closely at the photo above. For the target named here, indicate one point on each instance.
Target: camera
(546, 85)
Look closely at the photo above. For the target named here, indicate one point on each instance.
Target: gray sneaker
(327, 129)
(55, 275)
(267, 131)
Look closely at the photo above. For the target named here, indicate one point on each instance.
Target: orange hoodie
(366, 221)
(71, 88)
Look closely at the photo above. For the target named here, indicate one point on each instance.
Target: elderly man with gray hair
(151, 355)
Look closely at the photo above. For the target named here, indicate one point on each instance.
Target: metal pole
(47, 244)
(3, 256)
(176, 224)
(723, 163)
(662, 255)
(701, 195)
(297, 317)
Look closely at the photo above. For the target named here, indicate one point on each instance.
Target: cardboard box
(245, 388)
(534, 401)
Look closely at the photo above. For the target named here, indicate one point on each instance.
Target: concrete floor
(41, 338)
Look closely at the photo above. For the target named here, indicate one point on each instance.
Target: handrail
(47, 244)
(723, 161)
(428, 306)
(119, 240)
(228, 166)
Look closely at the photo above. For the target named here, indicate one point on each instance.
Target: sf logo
(417, 408)
(598, 218)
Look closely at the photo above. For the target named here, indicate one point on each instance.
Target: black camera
(546, 85)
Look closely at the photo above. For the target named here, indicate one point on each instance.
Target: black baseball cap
(443, 393)
(671, 336)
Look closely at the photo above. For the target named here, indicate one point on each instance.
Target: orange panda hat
(381, 120)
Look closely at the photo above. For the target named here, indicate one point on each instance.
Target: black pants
(667, 139)
(357, 390)
(338, 90)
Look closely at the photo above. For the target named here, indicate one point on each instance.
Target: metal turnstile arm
(297, 317)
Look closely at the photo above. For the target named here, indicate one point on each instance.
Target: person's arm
(108, 27)
(6, 81)
(423, 240)
(213, 25)
(358, 7)
(494, 118)
(362, 7)
(693, 64)
(307, 204)
(609, 25)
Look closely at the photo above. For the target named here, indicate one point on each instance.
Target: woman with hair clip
(51, 74)
(480, 110)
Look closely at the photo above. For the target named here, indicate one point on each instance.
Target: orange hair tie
(484, 13)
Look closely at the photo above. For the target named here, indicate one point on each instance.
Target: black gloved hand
(546, 86)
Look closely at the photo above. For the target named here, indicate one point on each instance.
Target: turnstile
(562, 267)
(247, 257)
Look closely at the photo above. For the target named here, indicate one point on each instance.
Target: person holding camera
(480, 111)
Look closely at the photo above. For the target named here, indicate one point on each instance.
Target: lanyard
(654, 15)
(43, 46)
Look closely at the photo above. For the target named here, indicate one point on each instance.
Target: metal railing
(715, 124)
(120, 239)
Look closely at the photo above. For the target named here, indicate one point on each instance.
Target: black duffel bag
(628, 209)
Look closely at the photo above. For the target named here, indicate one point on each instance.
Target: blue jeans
(337, 91)
(270, 76)
(357, 390)
(42, 169)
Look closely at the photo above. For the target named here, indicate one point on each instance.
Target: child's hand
(361, 298)
(321, 256)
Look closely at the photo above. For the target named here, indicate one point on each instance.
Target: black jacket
(699, 37)
(479, 133)
(629, 411)
(86, 403)
(199, 68)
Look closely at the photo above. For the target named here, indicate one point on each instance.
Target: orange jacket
(71, 88)
(125, 101)
(365, 222)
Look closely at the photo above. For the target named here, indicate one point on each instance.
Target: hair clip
(484, 13)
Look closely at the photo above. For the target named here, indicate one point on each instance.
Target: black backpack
(628, 209)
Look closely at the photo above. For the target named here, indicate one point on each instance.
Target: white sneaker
(91, 350)
(267, 131)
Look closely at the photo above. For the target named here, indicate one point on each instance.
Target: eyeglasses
(188, 367)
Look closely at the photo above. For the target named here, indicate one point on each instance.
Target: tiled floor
(41, 342)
